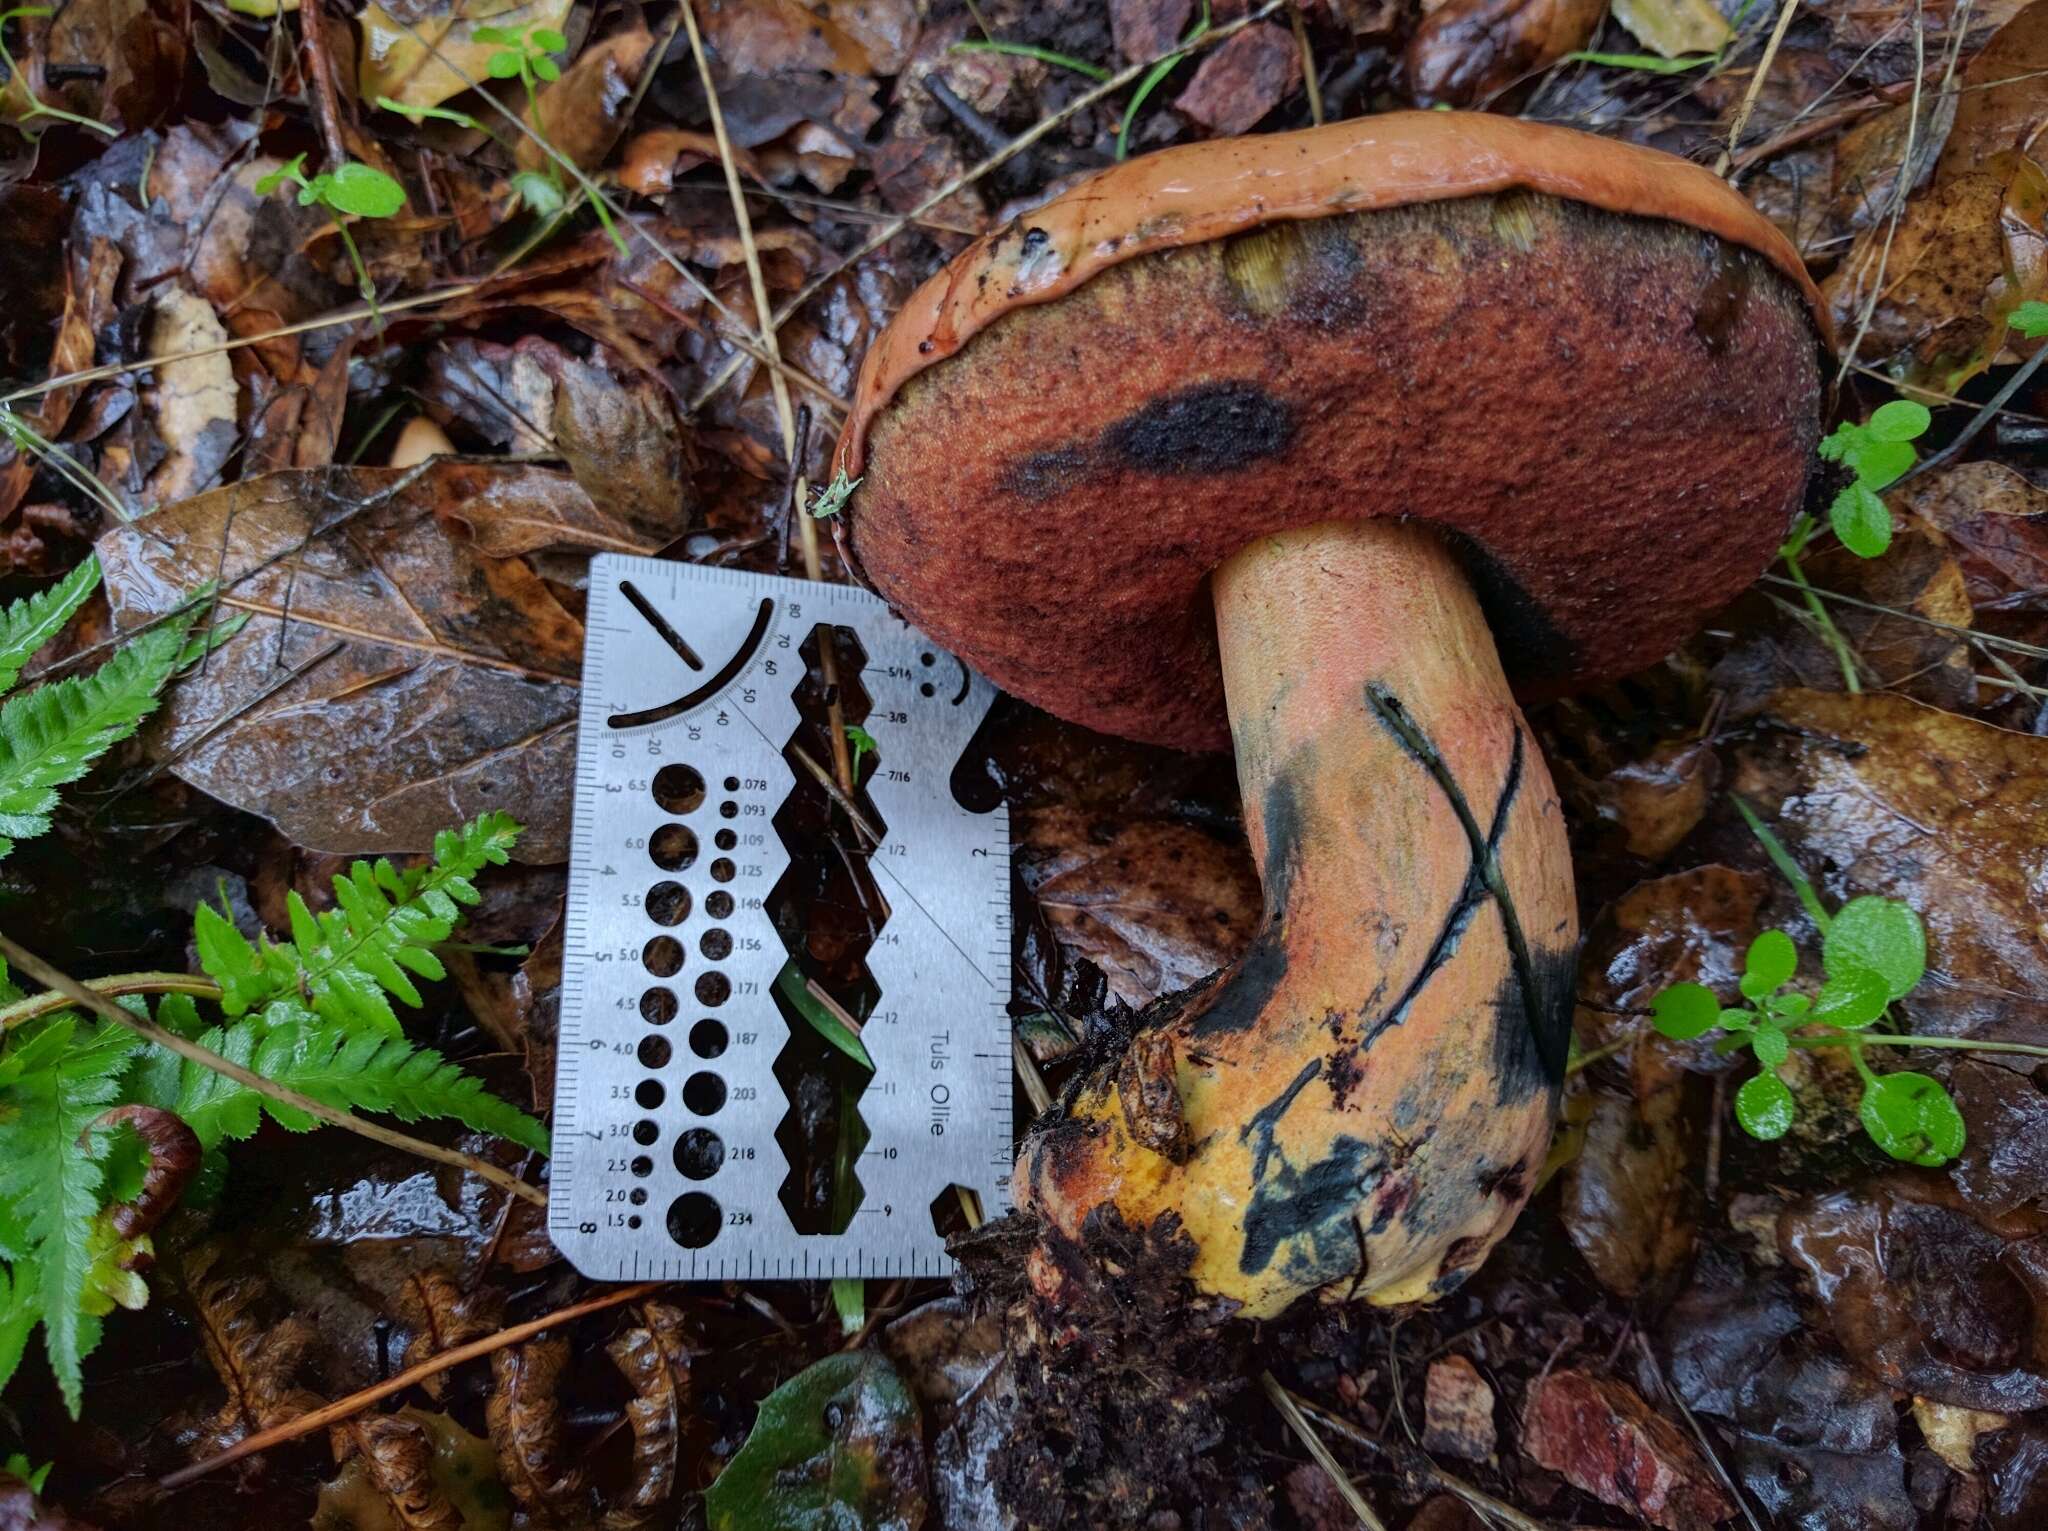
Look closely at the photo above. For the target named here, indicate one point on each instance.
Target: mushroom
(1318, 443)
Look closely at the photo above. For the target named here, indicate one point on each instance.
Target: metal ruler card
(666, 1161)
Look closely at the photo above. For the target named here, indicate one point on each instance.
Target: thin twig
(52, 1000)
(1309, 82)
(1988, 640)
(318, 1419)
(100, 1005)
(320, 75)
(1305, 1432)
(1786, 11)
(1027, 1071)
(824, 779)
(1700, 1435)
(2022, 375)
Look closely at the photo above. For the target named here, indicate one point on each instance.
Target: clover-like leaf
(1772, 959)
(546, 68)
(1911, 1117)
(538, 191)
(1790, 1007)
(1881, 936)
(1764, 1107)
(363, 190)
(1860, 519)
(1851, 998)
(1685, 1011)
(504, 65)
(548, 40)
(1900, 420)
(1879, 463)
(1771, 1047)
(1734, 1018)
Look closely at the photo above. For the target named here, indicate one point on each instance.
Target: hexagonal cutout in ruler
(732, 908)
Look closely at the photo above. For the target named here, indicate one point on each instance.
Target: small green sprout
(831, 500)
(2030, 319)
(863, 744)
(19, 1466)
(540, 190)
(362, 191)
(522, 54)
(1873, 951)
(1878, 452)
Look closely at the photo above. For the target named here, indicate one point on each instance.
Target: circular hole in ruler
(699, 1152)
(708, 1038)
(654, 1052)
(633, 1221)
(663, 956)
(648, 1093)
(725, 839)
(693, 1219)
(732, 784)
(717, 945)
(672, 847)
(927, 689)
(658, 1006)
(637, 1196)
(642, 1166)
(668, 903)
(678, 788)
(927, 659)
(713, 989)
(646, 1132)
(718, 904)
(704, 1093)
(722, 870)
(728, 809)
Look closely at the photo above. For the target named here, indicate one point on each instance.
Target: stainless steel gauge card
(670, 1110)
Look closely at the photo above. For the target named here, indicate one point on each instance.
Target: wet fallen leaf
(1996, 522)
(654, 1358)
(1878, 794)
(257, 1356)
(1654, 802)
(460, 1475)
(421, 54)
(443, 1315)
(88, 305)
(1457, 1411)
(1607, 1442)
(454, 686)
(1674, 28)
(1241, 80)
(2016, 1471)
(398, 1459)
(525, 1417)
(195, 397)
(2004, 1163)
(839, 1444)
(582, 114)
(1155, 905)
(1467, 51)
(1999, 101)
(124, 58)
(1951, 1432)
(768, 37)
(1625, 1201)
(1925, 1296)
(944, 1350)
(1148, 29)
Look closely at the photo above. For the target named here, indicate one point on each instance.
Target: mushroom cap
(1594, 367)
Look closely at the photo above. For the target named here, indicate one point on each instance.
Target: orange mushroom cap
(1066, 430)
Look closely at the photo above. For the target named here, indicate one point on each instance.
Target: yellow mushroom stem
(1360, 1104)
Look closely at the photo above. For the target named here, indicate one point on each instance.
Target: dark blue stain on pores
(1308, 1208)
(1205, 429)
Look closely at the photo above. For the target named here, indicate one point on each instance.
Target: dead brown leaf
(1605, 1440)
(452, 689)
(421, 52)
(1457, 1411)
(1625, 1204)
(1242, 80)
(126, 57)
(1996, 523)
(1148, 29)
(525, 1417)
(1155, 904)
(654, 1358)
(1466, 51)
(257, 1356)
(582, 114)
(1879, 794)
(2000, 104)
(90, 276)
(443, 1315)
(398, 1458)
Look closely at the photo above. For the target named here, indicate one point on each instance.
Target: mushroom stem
(1361, 1102)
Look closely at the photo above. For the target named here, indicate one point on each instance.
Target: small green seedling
(1873, 951)
(863, 744)
(1878, 452)
(2030, 319)
(523, 54)
(361, 191)
(831, 500)
(540, 190)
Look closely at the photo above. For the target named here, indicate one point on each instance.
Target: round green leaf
(1736, 1019)
(548, 40)
(1900, 420)
(540, 194)
(1851, 998)
(1861, 521)
(1764, 1107)
(1791, 1006)
(293, 169)
(503, 65)
(1770, 1045)
(363, 190)
(546, 68)
(2030, 318)
(1882, 936)
(1771, 961)
(1911, 1117)
(1878, 463)
(1685, 1011)
(495, 37)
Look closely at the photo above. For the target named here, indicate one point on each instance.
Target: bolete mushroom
(1337, 435)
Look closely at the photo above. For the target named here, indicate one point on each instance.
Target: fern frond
(337, 1066)
(345, 961)
(28, 624)
(52, 735)
(50, 1178)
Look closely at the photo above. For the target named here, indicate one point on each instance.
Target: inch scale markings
(667, 1102)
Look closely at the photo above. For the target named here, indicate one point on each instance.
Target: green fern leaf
(352, 1070)
(50, 1175)
(51, 736)
(28, 624)
(345, 961)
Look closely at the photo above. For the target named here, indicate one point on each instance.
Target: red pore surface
(1610, 416)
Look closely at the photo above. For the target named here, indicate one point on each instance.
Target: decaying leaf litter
(1689, 1325)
